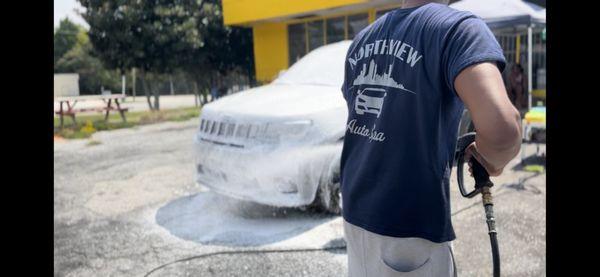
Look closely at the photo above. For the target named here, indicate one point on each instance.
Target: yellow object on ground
(536, 115)
(535, 168)
(539, 93)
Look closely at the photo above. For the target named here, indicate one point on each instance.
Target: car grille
(228, 133)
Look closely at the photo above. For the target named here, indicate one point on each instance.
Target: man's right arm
(496, 120)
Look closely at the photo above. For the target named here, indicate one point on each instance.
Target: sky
(66, 8)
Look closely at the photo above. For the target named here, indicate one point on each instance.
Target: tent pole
(529, 65)
(518, 48)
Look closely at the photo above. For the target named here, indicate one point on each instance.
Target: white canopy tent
(517, 14)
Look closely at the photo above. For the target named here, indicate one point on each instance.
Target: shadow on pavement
(530, 160)
(335, 246)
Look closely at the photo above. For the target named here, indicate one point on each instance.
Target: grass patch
(87, 125)
(93, 142)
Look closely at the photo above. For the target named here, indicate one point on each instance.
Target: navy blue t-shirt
(403, 115)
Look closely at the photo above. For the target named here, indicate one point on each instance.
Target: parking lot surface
(129, 206)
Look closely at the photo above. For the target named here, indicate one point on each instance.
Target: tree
(150, 35)
(223, 49)
(65, 37)
(228, 48)
(92, 74)
(165, 35)
(77, 59)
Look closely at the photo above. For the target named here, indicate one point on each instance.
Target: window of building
(308, 35)
(336, 29)
(356, 23)
(316, 36)
(296, 41)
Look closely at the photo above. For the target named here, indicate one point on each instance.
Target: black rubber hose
(241, 252)
(491, 223)
(495, 254)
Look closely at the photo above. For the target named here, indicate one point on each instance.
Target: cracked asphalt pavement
(129, 206)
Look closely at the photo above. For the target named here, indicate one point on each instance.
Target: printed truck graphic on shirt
(369, 100)
(372, 87)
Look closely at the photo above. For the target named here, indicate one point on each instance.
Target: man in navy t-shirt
(407, 76)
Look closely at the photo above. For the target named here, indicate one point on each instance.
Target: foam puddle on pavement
(209, 218)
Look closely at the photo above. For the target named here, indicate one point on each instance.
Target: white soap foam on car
(311, 84)
(273, 158)
(322, 66)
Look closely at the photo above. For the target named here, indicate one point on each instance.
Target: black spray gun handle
(481, 176)
(482, 185)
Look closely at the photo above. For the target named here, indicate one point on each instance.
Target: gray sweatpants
(371, 254)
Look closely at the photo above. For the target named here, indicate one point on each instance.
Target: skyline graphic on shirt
(370, 77)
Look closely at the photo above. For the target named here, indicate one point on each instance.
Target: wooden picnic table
(71, 101)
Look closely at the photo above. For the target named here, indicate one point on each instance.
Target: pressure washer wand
(482, 185)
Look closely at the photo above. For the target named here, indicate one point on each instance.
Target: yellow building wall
(270, 50)
(245, 11)
(270, 37)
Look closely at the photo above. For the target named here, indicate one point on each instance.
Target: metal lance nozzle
(488, 205)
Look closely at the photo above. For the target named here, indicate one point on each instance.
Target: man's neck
(416, 3)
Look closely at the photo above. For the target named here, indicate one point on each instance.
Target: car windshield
(323, 66)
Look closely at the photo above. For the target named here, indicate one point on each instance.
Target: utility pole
(133, 83)
(171, 83)
(123, 80)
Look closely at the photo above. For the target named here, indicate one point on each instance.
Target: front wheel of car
(330, 198)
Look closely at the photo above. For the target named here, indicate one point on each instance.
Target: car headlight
(287, 130)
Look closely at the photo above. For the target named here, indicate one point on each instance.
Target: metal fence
(514, 46)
